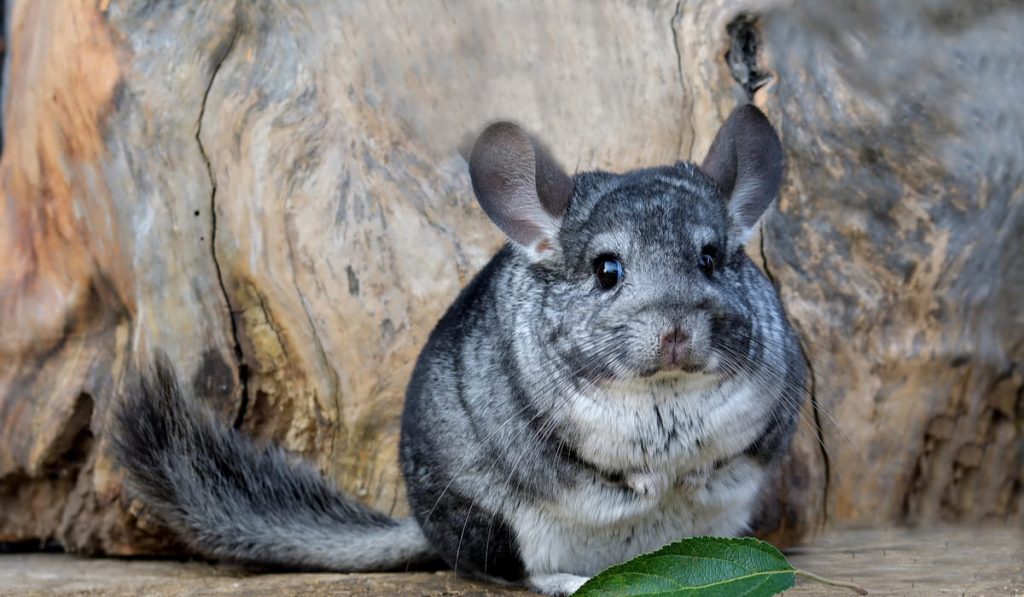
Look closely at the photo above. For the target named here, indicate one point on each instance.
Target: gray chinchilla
(618, 377)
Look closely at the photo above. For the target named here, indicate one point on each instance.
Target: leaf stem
(835, 583)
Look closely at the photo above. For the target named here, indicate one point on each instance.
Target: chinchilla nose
(673, 345)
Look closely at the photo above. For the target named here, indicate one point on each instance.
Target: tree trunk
(277, 196)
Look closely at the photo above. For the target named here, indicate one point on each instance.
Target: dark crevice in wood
(811, 391)
(676, 15)
(816, 410)
(71, 448)
(742, 57)
(764, 260)
(220, 55)
(4, 7)
(31, 546)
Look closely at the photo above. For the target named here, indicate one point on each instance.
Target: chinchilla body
(618, 377)
(541, 412)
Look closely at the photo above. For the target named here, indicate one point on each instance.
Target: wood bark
(276, 195)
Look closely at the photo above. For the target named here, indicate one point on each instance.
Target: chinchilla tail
(230, 498)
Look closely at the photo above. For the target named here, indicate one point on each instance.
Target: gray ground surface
(982, 561)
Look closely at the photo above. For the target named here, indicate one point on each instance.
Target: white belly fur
(589, 527)
(597, 526)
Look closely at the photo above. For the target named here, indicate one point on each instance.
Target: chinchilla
(619, 376)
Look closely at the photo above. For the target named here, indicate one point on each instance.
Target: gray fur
(231, 498)
(545, 436)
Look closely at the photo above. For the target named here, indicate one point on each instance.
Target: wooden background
(276, 194)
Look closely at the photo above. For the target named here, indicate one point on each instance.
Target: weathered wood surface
(898, 249)
(276, 195)
(960, 561)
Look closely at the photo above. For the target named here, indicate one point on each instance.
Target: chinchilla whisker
(820, 407)
(760, 378)
(735, 368)
(762, 381)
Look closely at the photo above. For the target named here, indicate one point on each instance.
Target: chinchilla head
(634, 274)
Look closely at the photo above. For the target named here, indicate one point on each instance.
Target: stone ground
(976, 561)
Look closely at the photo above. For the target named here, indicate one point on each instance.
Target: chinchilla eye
(608, 270)
(706, 261)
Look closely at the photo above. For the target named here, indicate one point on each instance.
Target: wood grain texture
(897, 246)
(969, 561)
(276, 195)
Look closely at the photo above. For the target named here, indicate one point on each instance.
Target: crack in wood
(220, 55)
(811, 391)
(743, 53)
(677, 14)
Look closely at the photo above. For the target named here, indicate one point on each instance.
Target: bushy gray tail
(230, 498)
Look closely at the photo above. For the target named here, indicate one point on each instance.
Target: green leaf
(698, 567)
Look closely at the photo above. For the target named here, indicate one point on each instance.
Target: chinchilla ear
(522, 189)
(745, 160)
